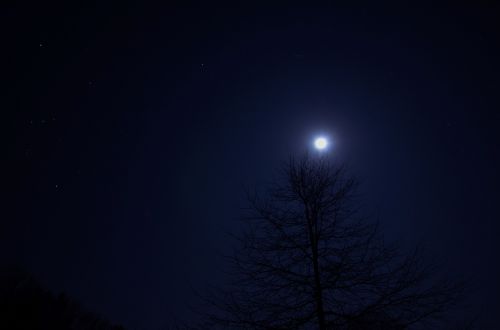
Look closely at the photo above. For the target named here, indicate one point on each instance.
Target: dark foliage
(24, 305)
(310, 261)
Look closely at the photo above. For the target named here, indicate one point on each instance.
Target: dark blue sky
(132, 130)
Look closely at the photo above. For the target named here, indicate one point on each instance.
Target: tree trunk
(318, 292)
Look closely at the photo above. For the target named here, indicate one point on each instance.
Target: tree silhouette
(25, 305)
(309, 260)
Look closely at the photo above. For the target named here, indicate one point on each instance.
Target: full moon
(320, 143)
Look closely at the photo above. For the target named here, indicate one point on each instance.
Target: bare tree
(308, 260)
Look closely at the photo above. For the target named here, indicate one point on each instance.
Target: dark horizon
(132, 131)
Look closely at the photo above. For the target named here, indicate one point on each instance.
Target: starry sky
(132, 130)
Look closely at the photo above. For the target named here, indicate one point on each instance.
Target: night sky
(132, 131)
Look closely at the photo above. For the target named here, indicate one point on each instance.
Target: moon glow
(320, 143)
